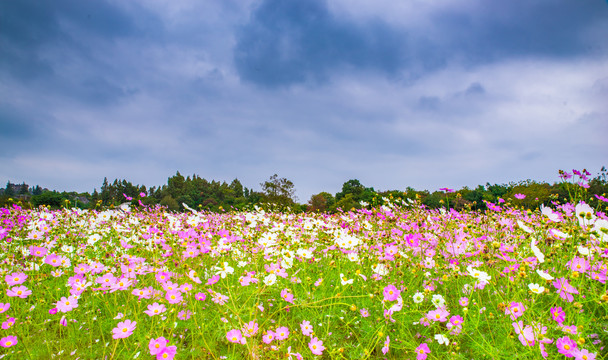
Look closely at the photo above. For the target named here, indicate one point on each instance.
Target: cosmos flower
(155, 309)
(156, 345)
(391, 293)
(306, 328)
(15, 279)
(422, 350)
(124, 329)
(8, 341)
(19, 291)
(235, 336)
(316, 346)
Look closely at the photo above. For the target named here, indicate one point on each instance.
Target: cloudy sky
(420, 93)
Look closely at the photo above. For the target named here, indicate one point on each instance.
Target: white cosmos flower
(548, 212)
(418, 297)
(354, 257)
(583, 250)
(482, 276)
(535, 288)
(438, 300)
(524, 227)
(539, 255)
(584, 214)
(441, 339)
(270, 280)
(380, 269)
(344, 280)
(544, 275)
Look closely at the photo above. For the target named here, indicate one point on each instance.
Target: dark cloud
(505, 29)
(288, 42)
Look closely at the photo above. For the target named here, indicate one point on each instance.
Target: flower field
(397, 281)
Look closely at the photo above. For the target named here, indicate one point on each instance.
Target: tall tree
(279, 191)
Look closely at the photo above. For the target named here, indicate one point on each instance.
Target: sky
(420, 93)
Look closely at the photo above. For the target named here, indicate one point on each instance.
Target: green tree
(321, 202)
(279, 191)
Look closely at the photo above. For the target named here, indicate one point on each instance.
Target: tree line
(278, 193)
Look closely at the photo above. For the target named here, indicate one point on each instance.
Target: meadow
(395, 281)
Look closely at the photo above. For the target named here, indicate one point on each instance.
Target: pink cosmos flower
(515, 310)
(440, 314)
(364, 313)
(463, 301)
(281, 333)
(38, 251)
(287, 296)
(250, 329)
(15, 278)
(565, 346)
(235, 336)
(156, 345)
(519, 196)
(213, 280)
(8, 341)
(184, 314)
(200, 296)
(525, 333)
(163, 276)
(583, 354)
(19, 291)
(391, 293)
(316, 346)
(386, 345)
(564, 289)
(268, 337)
(422, 350)
(167, 353)
(67, 304)
(174, 296)
(456, 320)
(4, 307)
(155, 309)
(8, 323)
(579, 264)
(306, 328)
(558, 314)
(124, 329)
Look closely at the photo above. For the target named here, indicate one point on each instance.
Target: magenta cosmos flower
(124, 329)
(565, 346)
(167, 353)
(4, 307)
(156, 345)
(235, 336)
(8, 341)
(422, 350)
(515, 309)
(391, 293)
(558, 314)
(316, 346)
